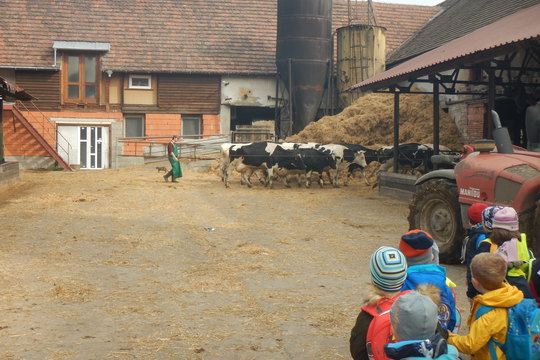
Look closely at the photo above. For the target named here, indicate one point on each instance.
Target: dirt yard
(117, 264)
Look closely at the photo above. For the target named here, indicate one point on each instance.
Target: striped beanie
(388, 269)
(506, 218)
(487, 216)
(417, 246)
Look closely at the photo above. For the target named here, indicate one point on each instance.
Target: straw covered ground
(117, 264)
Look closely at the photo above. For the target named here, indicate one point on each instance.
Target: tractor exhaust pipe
(501, 135)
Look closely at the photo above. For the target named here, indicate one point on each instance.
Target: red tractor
(509, 176)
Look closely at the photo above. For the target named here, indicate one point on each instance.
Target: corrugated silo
(361, 53)
(303, 51)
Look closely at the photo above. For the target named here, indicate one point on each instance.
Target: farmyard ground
(117, 264)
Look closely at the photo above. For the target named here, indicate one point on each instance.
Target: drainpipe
(491, 102)
(396, 130)
(435, 116)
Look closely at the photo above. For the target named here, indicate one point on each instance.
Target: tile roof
(508, 31)
(457, 18)
(195, 36)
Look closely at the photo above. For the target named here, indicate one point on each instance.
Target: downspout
(396, 130)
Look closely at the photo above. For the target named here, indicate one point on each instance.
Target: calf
(344, 158)
(370, 156)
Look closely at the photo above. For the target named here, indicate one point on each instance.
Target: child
(512, 246)
(487, 223)
(488, 273)
(419, 249)
(388, 271)
(476, 234)
(414, 323)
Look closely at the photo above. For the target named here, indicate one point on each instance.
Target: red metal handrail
(48, 131)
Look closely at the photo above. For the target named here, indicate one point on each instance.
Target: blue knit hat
(388, 268)
(487, 216)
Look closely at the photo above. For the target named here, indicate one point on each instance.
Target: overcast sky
(415, 2)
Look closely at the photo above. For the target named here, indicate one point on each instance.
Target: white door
(93, 147)
(66, 143)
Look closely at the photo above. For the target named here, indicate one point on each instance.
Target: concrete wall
(9, 173)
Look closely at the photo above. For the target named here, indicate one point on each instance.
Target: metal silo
(303, 51)
(361, 53)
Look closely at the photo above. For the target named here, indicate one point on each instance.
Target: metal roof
(10, 91)
(485, 43)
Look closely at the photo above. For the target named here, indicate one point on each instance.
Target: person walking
(172, 152)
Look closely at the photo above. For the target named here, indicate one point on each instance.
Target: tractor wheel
(435, 209)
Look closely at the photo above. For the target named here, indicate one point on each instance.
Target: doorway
(88, 146)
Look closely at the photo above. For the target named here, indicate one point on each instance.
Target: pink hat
(506, 218)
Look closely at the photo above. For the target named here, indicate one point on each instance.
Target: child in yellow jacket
(488, 274)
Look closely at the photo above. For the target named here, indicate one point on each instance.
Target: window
(80, 78)
(134, 125)
(140, 82)
(191, 125)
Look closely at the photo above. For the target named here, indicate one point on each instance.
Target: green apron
(176, 168)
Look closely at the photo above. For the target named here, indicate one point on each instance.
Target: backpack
(380, 329)
(523, 334)
(524, 268)
(432, 274)
(470, 243)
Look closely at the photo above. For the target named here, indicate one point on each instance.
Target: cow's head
(360, 158)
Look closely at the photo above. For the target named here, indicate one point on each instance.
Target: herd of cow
(272, 160)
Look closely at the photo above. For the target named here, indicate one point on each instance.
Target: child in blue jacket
(422, 257)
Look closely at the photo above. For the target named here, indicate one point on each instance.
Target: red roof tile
(203, 36)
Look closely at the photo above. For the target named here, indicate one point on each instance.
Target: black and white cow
(315, 160)
(344, 158)
(413, 155)
(264, 156)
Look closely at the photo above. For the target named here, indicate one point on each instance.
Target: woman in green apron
(172, 152)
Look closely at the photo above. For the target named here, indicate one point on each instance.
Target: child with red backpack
(423, 269)
(414, 324)
(371, 331)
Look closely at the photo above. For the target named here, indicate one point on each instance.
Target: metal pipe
(277, 124)
(436, 119)
(491, 101)
(290, 98)
(396, 131)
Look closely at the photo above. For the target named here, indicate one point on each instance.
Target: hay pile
(369, 122)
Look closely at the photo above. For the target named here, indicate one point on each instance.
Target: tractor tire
(435, 209)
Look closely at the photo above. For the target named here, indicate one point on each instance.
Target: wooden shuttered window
(43, 85)
(189, 94)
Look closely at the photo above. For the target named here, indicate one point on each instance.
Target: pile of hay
(369, 122)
